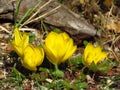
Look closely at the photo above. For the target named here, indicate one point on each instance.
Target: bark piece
(61, 17)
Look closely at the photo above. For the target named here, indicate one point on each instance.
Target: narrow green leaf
(31, 37)
(57, 30)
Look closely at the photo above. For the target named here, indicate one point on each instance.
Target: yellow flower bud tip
(32, 57)
(93, 54)
(58, 47)
(20, 41)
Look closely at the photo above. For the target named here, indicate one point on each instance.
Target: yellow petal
(50, 55)
(20, 41)
(89, 60)
(39, 56)
(97, 49)
(28, 59)
(101, 57)
(59, 47)
(50, 39)
(97, 53)
(88, 54)
(65, 36)
(25, 40)
(17, 49)
(17, 36)
(70, 50)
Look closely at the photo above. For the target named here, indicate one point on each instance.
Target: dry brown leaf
(83, 2)
(114, 26)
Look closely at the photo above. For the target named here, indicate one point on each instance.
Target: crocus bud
(59, 47)
(32, 57)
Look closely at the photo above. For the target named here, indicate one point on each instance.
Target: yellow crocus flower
(59, 47)
(32, 57)
(93, 54)
(20, 41)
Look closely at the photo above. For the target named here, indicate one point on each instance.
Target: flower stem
(57, 72)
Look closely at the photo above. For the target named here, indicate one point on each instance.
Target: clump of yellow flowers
(31, 57)
(93, 55)
(58, 48)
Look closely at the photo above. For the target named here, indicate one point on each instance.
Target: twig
(27, 29)
(4, 29)
(110, 12)
(39, 10)
(41, 16)
(115, 40)
(28, 21)
(115, 55)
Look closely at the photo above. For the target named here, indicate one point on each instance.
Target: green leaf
(44, 69)
(25, 16)
(80, 84)
(16, 73)
(104, 66)
(85, 42)
(16, 12)
(43, 26)
(58, 73)
(57, 30)
(77, 60)
(20, 88)
(31, 37)
(93, 67)
(40, 46)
